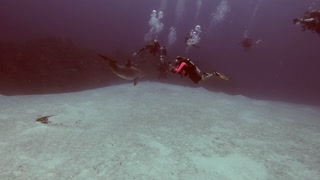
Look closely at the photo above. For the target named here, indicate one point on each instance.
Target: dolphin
(124, 71)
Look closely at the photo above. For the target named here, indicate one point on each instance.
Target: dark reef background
(50, 46)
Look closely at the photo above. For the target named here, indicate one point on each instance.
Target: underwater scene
(160, 89)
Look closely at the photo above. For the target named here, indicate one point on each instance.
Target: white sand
(157, 131)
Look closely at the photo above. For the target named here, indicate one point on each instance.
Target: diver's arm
(170, 66)
(142, 49)
(148, 46)
(308, 20)
(180, 67)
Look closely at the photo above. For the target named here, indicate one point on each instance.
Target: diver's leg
(206, 76)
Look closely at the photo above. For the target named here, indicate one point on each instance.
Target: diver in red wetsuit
(186, 67)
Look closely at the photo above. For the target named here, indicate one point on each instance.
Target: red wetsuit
(179, 69)
(184, 69)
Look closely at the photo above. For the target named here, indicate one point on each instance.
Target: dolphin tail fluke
(106, 58)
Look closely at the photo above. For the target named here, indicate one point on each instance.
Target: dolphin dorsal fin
(128, 64)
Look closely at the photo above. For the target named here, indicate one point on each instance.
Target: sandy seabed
(156, 131)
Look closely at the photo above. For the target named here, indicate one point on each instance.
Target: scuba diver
(247, 43)
(185, 67)
(155, 48)
(310, 21)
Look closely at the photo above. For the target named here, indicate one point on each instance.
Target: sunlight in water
(199, 4)
(179, 10)
(219, 15)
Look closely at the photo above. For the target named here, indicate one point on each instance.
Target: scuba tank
(191, 65)
(163, 51)
(192, 72)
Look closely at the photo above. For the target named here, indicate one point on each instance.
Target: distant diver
(192, 38)
(310, 21)
(188, 40)
(126, 72)
(185, 67)
(247, 43)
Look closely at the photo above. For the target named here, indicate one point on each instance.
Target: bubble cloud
(156, 26)
(172, 37)
(193, 38)
(219, 15)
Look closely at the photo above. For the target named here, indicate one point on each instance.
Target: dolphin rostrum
(126, 72)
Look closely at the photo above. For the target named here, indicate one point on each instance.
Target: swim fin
(221, 76)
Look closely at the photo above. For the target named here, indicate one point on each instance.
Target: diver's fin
(129, 64)
(221, 76)
(106, 58)
(135, 81)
